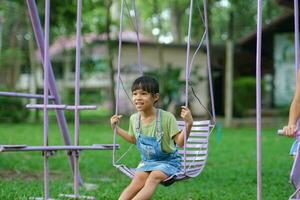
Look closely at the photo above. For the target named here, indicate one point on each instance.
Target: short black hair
(146, 83)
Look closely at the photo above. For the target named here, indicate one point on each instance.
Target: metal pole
(258, 96)
(61, 119)
(24, 95)
(46, 86)
(77, 97)
(209, 63)
(187, 69)
(118, 77)
(296, 41)
(296, 24)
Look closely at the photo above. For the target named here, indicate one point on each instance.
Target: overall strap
(159, 131)
(138, 123)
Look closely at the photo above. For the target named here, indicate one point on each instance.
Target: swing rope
(189, 63)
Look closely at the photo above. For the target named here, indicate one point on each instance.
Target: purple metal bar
(24, 95)
(187, 66)
(209, 63)
(118, 77)
(13, 148)
(295, 172)
(85, 107)
(296, 24)
(36, 25)
(71, 196)
(258, 96)
(42, 106)
(77, 97)
(65, 107)
(46, 91)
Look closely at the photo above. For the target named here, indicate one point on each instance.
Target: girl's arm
(187, 117)
(294, 113)
(115, 120)
(121, 132)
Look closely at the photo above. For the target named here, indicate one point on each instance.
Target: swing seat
(193, 157)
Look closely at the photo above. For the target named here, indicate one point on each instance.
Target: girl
(156, 133)
(291, 129)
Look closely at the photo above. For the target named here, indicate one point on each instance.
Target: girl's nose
(136, 97)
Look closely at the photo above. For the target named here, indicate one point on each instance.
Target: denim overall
(153, 157)
(294, 147)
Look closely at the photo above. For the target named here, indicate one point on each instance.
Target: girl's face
(144, 100)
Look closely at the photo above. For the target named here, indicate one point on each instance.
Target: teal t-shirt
(169, 127)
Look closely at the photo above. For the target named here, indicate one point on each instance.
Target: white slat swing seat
(195, 152)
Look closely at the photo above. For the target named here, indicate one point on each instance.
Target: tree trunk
(66, 76)
(229, 73)
(1, 32)
(177, 13)
(159, 46)
(33, 77)
(110, 54)
(14, 67)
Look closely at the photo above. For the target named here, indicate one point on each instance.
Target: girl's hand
(186, 115)
(290, 130)
(115, 120)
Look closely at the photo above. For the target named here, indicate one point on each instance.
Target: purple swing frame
(49, 84)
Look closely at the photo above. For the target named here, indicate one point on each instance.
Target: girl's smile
(143, 100)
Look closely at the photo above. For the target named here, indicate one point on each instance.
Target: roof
(286, 3)
(283, 23)
(66, 43)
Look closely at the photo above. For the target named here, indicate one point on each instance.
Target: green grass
(230, 173)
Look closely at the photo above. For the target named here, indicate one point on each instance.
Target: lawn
(230, 173)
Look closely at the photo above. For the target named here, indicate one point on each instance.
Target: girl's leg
(152, 181)
(135, 186)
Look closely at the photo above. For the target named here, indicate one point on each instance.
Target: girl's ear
(156, 97)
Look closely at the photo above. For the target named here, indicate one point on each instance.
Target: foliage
(244, 17)
(8, 57)
(63, 17)
(230, 173)
(14, 26)
(170, 85)
(87, 97)
(12, 110)
(244, 94)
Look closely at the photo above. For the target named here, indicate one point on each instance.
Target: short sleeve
(173, 126)
(131, 129)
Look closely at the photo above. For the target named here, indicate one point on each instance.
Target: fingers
(186, 114)
(116, 117)
(114, 120)
(290, 131)
(185, 110)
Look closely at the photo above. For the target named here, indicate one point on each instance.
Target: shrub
(244, 95)
(12, 110)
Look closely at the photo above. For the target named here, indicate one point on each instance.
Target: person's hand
(115, 120)
(186, 115)
(290, 130)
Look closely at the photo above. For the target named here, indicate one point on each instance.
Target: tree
(12, 40)
(110, 52)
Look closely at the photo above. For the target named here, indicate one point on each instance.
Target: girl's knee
(156, 177)
(139, 179)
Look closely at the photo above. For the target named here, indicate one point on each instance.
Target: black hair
(146, 83)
